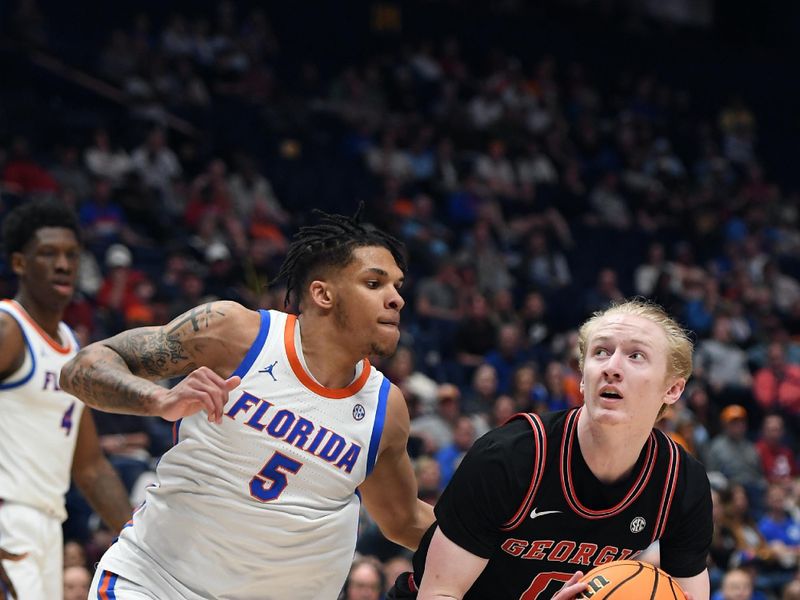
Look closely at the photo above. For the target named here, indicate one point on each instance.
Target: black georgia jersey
(525, 499)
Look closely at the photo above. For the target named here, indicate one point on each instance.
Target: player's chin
(385, 349)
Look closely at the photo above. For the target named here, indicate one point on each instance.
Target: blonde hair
(679, 360)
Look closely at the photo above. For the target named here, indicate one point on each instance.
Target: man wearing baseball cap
(735, 456)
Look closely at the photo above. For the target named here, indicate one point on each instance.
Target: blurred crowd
(528, 192)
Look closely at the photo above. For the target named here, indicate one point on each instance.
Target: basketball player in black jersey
(541, 500)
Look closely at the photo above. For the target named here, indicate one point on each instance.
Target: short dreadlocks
(330, 244)
(22, 223)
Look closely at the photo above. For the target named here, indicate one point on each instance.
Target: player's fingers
(5, 555)
(571, 588)
(217, 389)
(231, 383)
(207, 398)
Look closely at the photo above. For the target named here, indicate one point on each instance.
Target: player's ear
(18, 263)
(321, 294)
(675, 390)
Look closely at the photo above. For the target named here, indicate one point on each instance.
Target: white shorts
(107, 586)
(38, 576)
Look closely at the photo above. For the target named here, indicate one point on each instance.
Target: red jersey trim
(670, 485)
(539, 455)
(568, 441)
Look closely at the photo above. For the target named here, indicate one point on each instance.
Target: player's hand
(4, 555)
(572, 587)
(202, 389)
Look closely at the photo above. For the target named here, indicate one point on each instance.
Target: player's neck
(326, 355)
(46, 318)
(610, 453)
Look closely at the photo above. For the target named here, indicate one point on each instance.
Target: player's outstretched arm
(449, 570)
(97, 479)
(206, 344)
(697, 587)
(390, 492)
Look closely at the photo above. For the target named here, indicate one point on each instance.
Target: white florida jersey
(264, 505)
(38, 421)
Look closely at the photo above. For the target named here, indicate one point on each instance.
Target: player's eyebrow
(604, 339)
(383, 273)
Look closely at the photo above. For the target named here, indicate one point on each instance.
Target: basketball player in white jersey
(45, 435)
(283, 429)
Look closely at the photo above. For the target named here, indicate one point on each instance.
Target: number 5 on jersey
(271, 480)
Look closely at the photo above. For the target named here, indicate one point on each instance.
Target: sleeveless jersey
(561, 519)
(265, 504)
(38, 421)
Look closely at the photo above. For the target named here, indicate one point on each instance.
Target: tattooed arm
(206, 343)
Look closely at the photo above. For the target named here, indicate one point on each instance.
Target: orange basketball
(630, 580)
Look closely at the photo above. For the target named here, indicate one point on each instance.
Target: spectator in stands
(476, 334)
(365, 581)
(609, 206)
(22, 175)
(780, 529)
(536, 321)
(604, 293)
(74, 554)
(737, 584)
(647, 273)
(449, 456)
(483, 391)
(512, 351)
(394, 567)
(502, 410)
(105, 161)
(736, 457)
(159, 168)
(437, 428)
(778, 461)
(68, 171)
(526, 390)
(429, 479)
(401, 371)
(439, 306)
(117, 294)
(495, 170)
(556, 395)
(249, 187)
(776, 386)
(102, 219)
(723, 364)
(544, 267)
(77, 580)
(484, 253)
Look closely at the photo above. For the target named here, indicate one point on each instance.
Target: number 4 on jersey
(271, 480)
(66, 420)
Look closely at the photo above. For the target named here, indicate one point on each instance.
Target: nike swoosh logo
(535, 514)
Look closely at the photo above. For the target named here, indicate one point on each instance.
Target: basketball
(630, 580)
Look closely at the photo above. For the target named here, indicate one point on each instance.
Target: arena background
(530, 154)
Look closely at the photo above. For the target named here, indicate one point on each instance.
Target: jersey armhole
(538, 460)
(24, 378)
(257, 345)
(377, 426)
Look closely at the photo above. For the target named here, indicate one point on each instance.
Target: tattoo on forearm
(94, 377)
